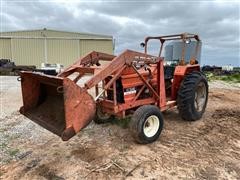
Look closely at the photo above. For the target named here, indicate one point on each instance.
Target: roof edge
(45, 29)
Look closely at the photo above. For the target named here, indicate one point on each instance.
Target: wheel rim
(151, 126)
(200, 96)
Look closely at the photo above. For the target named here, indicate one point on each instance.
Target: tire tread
(185, 95)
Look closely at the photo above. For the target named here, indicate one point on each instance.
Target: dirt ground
(204, 149)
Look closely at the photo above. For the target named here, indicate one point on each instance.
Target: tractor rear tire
(101, 117)
(193, 96)
(146, 124)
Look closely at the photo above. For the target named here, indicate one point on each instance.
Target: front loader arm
(126, 58)
(88, 60)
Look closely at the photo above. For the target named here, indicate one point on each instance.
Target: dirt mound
(226, 113)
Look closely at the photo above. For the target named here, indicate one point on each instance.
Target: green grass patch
(231, 78)
(3, 145)
(122, 122)
(235, 78)
(13, 152)
(3, 130)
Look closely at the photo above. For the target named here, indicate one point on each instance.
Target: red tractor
(133, 83)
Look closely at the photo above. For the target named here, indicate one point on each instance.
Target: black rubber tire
(186, 96)
(138, 120)
(101, 118)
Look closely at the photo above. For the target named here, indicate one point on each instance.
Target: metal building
(34, 47)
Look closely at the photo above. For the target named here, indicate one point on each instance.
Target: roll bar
(184, 37)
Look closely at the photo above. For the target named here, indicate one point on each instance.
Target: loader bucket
(57, 104)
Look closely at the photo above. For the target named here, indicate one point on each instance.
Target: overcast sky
(217, 23)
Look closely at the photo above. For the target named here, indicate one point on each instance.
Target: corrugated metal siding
(28, 51)
(31, 51)
(5, 49)
(87, 46)
(62, 51)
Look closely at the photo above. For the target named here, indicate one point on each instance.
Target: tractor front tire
(193, 96)
(146, 124)
(101, 117)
